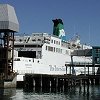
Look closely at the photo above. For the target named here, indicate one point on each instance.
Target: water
(74, 93)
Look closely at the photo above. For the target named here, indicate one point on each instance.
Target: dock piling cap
(8, 18)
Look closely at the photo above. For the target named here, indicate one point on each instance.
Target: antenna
(89, 35)
(74, 30)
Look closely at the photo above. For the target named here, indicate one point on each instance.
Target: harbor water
(73, 93)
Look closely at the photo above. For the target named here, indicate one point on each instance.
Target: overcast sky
(79, 16)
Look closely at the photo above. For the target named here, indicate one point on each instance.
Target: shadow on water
(72, 93)
(45, 90)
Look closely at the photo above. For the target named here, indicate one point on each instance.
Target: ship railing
(21, 72)
(81, 64)
(86, 72)
(29, 42)
(78, 63)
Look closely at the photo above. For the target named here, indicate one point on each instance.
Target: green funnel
(58, 28)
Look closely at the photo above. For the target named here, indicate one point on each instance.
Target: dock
(8, 26)
(58, 83)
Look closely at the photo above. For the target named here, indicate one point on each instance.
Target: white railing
(21, 72)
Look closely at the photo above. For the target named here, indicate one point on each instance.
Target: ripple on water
(75, 93)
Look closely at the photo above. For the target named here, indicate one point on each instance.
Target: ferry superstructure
(43, 53)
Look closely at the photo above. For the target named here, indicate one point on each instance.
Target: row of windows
(97, 50)
(55, 42)
(28, 46)
(53, 49)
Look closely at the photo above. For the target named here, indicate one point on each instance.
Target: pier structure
(48, 82)
(94, 53)
(58, 83)
(91, 76)
(8, 26)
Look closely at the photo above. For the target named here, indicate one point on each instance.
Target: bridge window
(50, 48)
(46, 48)
(51, 41)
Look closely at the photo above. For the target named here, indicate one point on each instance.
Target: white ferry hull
(23, 67)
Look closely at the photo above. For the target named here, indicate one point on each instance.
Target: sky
(80, 17)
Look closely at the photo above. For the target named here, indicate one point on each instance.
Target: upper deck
(38, 39)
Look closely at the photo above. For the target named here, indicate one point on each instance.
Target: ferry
(43, 53)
